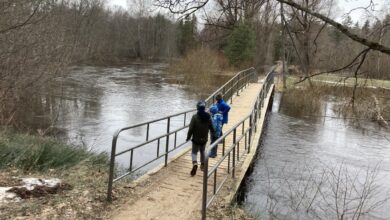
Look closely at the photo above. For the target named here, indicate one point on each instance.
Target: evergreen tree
(241, 45)
(186, 34)
(347, 21)
(366, 28)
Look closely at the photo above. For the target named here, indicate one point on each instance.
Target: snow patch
(6, 197)
(29, 184)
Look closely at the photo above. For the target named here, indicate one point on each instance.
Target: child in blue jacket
(217, 120)
(223, 107)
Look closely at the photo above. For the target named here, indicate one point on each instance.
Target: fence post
(167, 144)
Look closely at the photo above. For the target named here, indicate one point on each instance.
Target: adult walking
(199, 128)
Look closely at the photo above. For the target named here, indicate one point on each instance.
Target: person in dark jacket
(199, 128)
(223, 108)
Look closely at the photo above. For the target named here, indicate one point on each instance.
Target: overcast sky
(343, 7)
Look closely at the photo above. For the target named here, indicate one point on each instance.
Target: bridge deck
(171, 193)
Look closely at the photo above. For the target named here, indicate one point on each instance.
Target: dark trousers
(195, 149)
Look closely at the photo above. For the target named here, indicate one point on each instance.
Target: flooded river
(319, 167)
(94, 101)
(90, 103)
(309, 167)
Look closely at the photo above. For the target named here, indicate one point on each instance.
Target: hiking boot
(194, 168)
(201, 166)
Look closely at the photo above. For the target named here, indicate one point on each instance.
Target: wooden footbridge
(168, 191)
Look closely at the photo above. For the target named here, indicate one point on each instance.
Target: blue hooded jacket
(224, 108)
(216, 119)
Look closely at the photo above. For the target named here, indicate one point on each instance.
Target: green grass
(37, 153)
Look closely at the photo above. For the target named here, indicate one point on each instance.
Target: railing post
(250, 132)
(215, 181)
(205, 178)
(174, 143)
(231, 91)
(112, 167)
(237, 85)
(147, 132)
(131, 160)
(167, 144)
(158, 147)
(255, 121)
(228, 169)
(223, 147)
(234, 153)
(246, 141)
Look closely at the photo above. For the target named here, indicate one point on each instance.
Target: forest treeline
(252, 32)
(39, 39)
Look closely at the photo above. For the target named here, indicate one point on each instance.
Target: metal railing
(240, 135)
(233, 86)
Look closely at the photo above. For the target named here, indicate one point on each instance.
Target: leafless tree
(39, 39)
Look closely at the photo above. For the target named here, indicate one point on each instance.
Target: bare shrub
(368, 104)
(197, 69)
(303, 100)
(324, 192)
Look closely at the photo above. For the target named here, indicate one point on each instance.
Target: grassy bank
(23, 155)
(369, 101)
(350, 81)
(34, 153)
(342, 81)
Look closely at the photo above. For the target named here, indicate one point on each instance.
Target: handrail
(234, 85)
(232, 153)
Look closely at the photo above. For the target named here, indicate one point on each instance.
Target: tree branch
(23, 23)
(349, 65)
(371, 44)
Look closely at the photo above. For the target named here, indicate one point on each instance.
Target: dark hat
(201, 105)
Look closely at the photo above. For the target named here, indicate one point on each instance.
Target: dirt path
(172, 193)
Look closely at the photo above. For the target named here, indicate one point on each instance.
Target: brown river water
(319, 167)
(90, 103)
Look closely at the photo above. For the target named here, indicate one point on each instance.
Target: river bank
(84, 174)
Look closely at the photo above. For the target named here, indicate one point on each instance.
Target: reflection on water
(319, 168)
(90, 103)
(95, 102)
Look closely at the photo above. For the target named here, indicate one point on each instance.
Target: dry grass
(85, 172)
(86, 199)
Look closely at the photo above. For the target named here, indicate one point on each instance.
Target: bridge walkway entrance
(171, 193)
